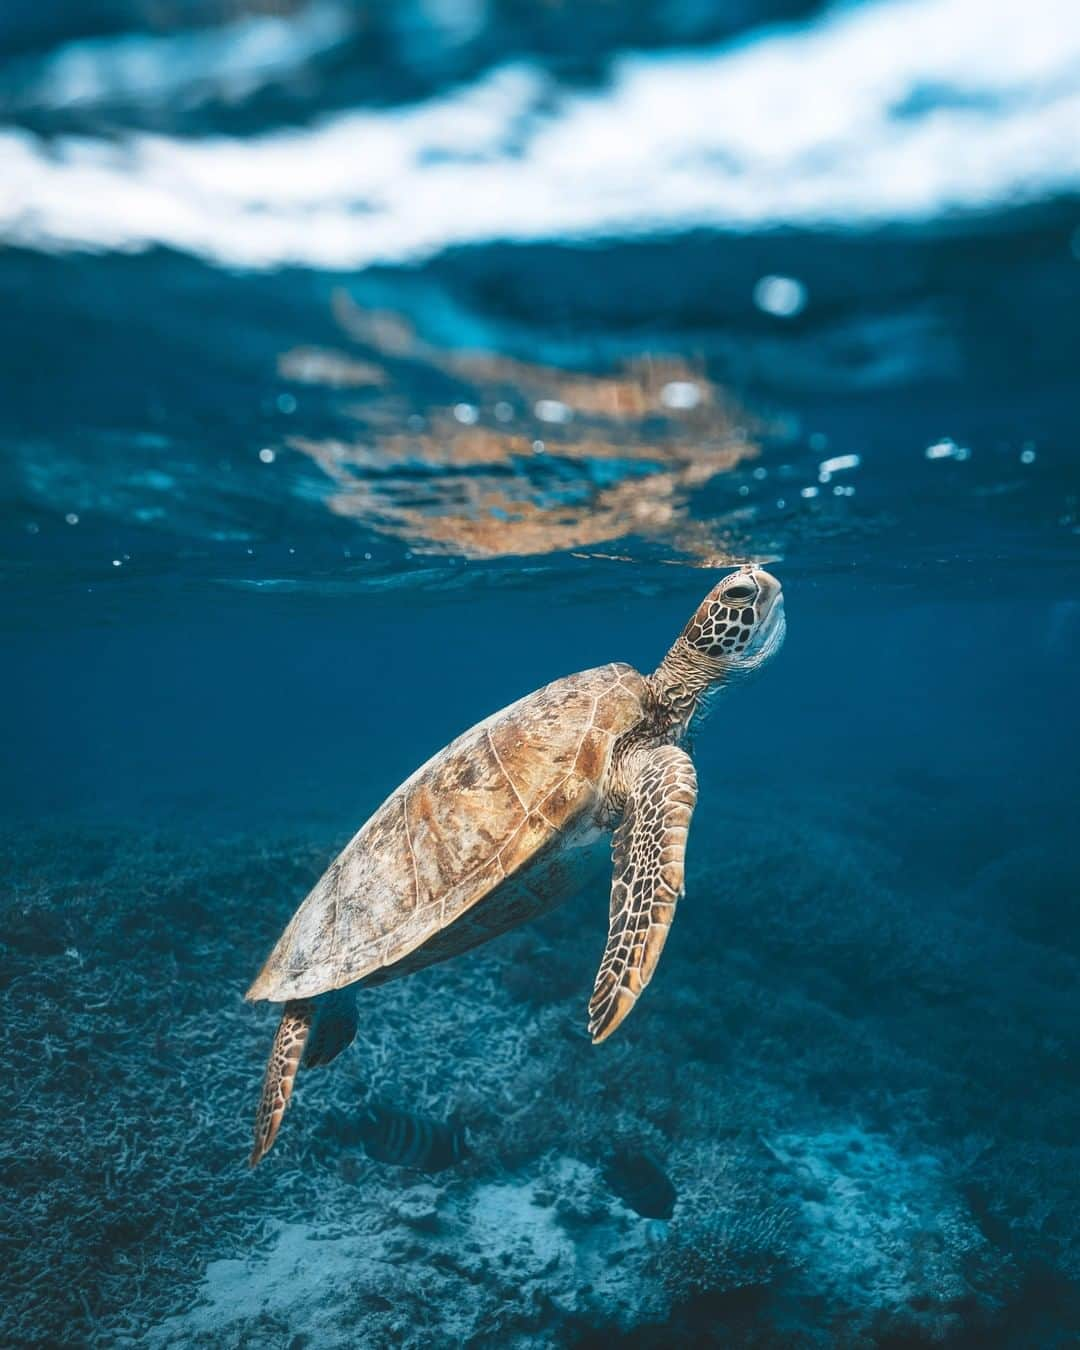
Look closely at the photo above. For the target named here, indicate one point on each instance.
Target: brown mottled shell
(470, 817)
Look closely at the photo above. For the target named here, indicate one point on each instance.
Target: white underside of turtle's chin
(774, 630)
(767, 641)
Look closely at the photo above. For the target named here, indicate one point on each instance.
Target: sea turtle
(507, 822)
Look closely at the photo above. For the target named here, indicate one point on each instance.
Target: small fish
(407, 1140)
(641, 1183)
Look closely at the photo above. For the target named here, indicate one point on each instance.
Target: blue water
(362, 374)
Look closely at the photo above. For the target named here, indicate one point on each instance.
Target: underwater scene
(368, 367)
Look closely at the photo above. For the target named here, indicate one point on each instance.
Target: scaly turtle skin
(510, 820)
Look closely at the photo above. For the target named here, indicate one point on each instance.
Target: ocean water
(365, 368)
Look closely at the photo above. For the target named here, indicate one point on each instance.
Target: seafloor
(871, 1132)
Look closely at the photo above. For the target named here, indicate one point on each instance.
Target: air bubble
(551, 410)
(782, 296)
(680, 395)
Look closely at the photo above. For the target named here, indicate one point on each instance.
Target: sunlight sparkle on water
(947, 449)
(837, 464)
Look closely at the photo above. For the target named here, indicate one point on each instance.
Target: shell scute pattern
(533, 832)
(468, 788)
(592, 755)
(464, 822)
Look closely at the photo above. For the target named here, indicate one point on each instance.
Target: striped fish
(407, 1140)
(640, 1183)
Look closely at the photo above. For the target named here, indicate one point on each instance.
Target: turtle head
(741, 621)
(736, 629)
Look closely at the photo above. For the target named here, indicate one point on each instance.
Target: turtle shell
(469, 818)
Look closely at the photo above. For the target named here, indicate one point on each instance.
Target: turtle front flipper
(292, 1033)
(648, 853)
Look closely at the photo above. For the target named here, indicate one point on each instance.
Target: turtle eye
(743, 590)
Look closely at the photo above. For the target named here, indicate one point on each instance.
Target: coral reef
(865, 1100)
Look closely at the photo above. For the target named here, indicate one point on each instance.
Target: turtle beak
(769, 591)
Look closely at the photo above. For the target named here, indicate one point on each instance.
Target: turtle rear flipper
(316, 1028)
(281, 1068)
(333, 1028)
